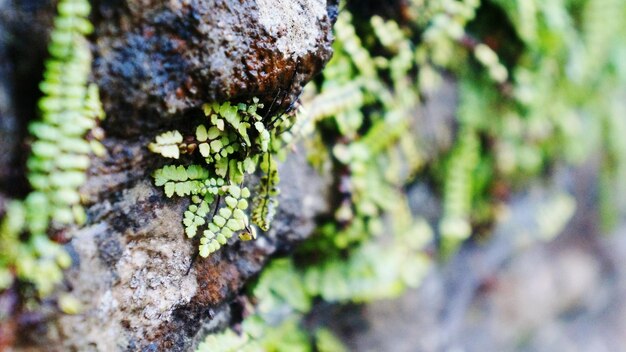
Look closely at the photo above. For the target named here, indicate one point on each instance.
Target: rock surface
(164, 57)
(134, 269)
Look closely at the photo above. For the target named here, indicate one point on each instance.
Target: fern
(196, 213)
(59, 157)
(183, 181)
(536, 110)
(69, 108)
(233, 143)
(455, 224)
(37, 260)
(167, 144)
(601, 29)
(286, 293)
(265, 203)
(230, 218)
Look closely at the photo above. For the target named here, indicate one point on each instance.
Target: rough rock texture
(163, 57)
(133, 267)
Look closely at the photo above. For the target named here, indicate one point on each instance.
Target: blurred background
(482, 159)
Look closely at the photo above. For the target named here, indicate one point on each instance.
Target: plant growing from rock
(233, 143)
(521, 109)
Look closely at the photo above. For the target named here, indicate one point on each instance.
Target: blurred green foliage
(69, 108)
(540, 83)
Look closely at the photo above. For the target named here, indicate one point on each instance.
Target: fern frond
(167, 144)
(59, 157)
(69, 108)
(196, 213)
(232, 146)
(230, 218)
(455, 224)
(265, 202)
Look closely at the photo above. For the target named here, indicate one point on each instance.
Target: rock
(8, 117)
(163, 58)
(134, 268)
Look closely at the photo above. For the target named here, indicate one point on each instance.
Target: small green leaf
(80, 216)
(169, 189)
(166, 144)
(235, 171)
(242, 204)
(235, 191)
(213, 133)
(209, 234)
(182, 189)
(249, 165)
(205, 149)
(228, 233)
(69, 304)
(170, 151)
(206, 108)
(216, 146)
(204, 250)
(225, 213)
(66, 196)
(181, 173)
(231, 202)
(197, 172)
(201, 133)
(63, 215)
(219, 221)
(235, 225)
(238, 214)
(243, 132)
(213, 228)
(191, 231)
(221, 167)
